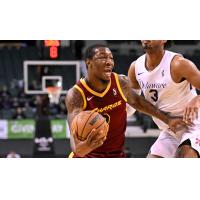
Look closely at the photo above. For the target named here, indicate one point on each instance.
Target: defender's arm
(139, 103)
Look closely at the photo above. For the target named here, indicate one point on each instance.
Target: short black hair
(90, 51)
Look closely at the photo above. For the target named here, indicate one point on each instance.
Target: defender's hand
(176, 124)
(191, 110)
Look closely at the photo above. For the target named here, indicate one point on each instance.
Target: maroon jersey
(112, 105)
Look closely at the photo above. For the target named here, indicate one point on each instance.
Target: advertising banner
(58, 128)
(21, 129)
(25, 129)
(3, 129)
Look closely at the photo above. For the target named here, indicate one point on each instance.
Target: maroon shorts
(115, 154)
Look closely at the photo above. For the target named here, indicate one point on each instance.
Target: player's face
(150, 45)
(102, 64)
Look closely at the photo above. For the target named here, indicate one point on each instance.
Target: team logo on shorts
(114, 92)
(197, 141)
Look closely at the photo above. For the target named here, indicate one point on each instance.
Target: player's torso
(112, 105)
(159, 88)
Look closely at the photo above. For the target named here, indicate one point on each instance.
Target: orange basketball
(85, 121)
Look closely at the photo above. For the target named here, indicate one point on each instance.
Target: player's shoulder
(123, 80)
(133, 64)
(131, 70)
(180, 62)
(140, 59)
(122, 77)
(132, 67)
(73, 93)
(74, 99)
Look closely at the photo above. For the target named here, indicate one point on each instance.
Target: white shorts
(167, 143)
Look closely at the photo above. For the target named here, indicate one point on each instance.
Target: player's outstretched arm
(184, 69)
(191, 112)
(142, 105)
(74, 103)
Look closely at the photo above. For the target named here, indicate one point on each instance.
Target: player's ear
(88, 62)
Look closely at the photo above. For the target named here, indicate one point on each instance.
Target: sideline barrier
(25, 129)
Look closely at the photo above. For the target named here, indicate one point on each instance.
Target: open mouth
(108, 72)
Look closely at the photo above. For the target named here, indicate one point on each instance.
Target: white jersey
(159, 88)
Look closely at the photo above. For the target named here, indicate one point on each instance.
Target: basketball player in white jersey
(168, 81)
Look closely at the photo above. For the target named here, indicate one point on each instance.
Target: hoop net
(54, 94)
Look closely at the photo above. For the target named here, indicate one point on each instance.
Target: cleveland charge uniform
(159, 89)
(112, 105)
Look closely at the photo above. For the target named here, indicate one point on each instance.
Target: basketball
(85, 121)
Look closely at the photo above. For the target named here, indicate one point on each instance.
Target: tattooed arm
(142, 105)
(74, 103)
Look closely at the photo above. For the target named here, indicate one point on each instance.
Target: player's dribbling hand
(93, 141)
(191, 111)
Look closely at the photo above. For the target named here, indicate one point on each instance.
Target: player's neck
(96, 85)
(153, 59)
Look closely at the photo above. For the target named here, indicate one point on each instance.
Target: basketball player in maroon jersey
(109, 93)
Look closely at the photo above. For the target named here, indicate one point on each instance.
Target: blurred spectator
(42, 71)
(5, 98)
(4, 91)
(20, 84)
(28, 111)
(19, 114)
(15, 103)
(6, 102)
(13, 154)
(12, 43)
(34, 85)
(42, 102)
(17, 43)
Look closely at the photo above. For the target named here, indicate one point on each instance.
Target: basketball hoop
(54, 94)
